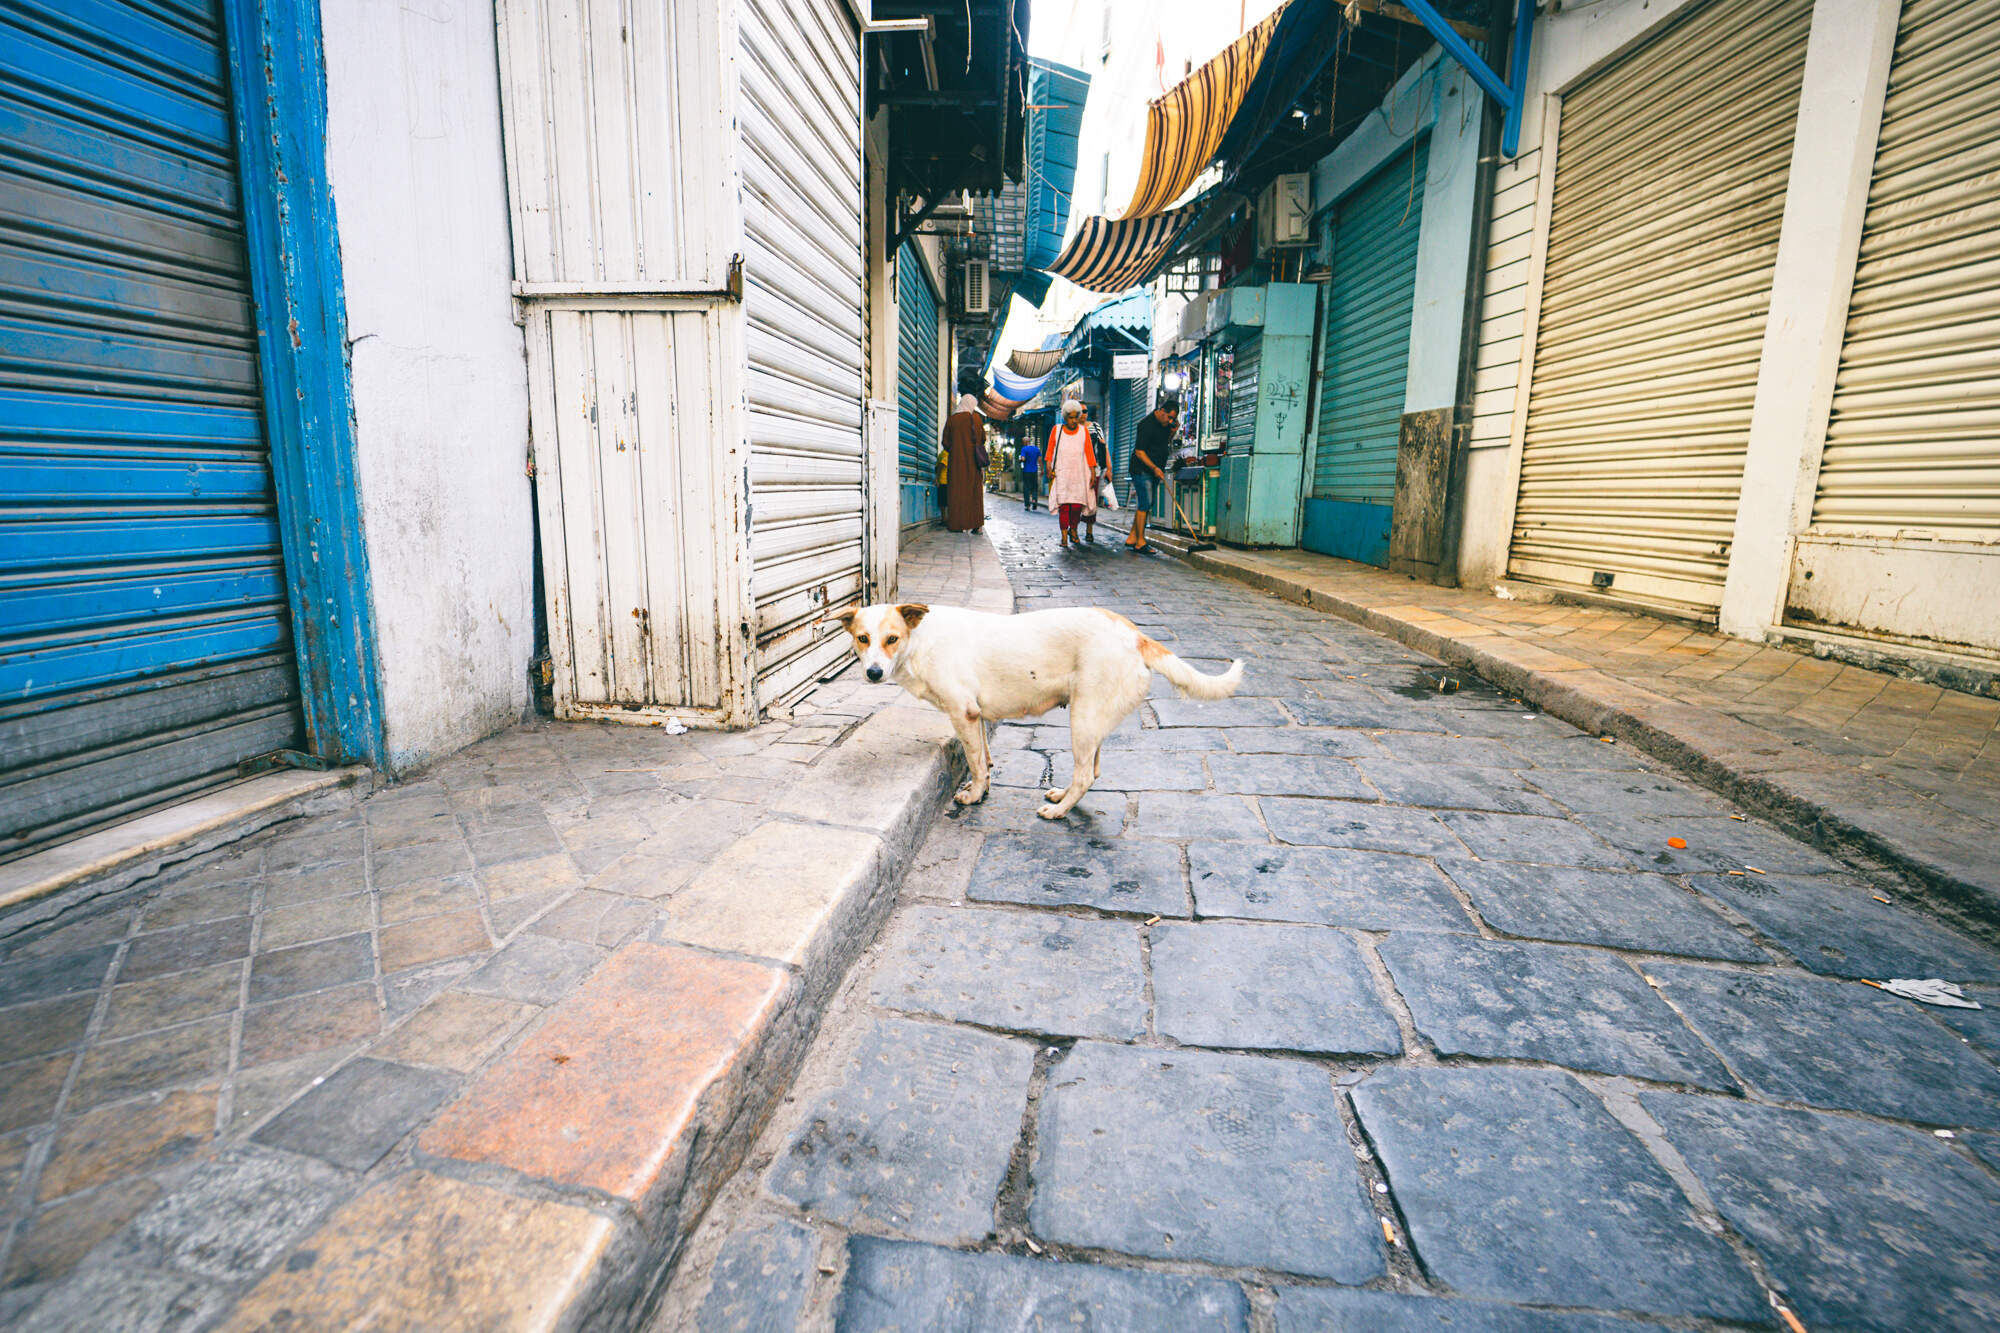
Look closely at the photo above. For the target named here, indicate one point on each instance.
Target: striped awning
(1034, 365)
(1107, 256)
(1184, 128)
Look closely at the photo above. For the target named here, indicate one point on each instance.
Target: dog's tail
(1185, 678)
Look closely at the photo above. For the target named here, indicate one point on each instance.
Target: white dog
(976, 668)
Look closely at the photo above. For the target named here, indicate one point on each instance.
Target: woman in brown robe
(965, 467)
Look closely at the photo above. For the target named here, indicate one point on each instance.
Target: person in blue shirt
(1030, 459)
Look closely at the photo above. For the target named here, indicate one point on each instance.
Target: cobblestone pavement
(191, 1080)
(1351, 1003)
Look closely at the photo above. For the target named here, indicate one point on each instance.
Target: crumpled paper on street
(1930, 991)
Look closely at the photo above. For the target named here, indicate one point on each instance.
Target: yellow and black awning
(1107, 256)
(1184, 128)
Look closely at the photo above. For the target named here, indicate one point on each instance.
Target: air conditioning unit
(1284, 212)
(973, 285)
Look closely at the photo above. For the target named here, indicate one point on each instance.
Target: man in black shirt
(1152, 450)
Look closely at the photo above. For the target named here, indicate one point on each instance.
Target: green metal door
(1365, 348)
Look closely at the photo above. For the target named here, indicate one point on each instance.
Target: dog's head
(880, 633)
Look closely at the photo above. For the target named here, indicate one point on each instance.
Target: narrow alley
(1354, 1004)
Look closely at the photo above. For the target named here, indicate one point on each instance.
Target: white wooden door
(622, 178)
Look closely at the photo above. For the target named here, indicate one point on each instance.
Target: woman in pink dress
(1072, 465)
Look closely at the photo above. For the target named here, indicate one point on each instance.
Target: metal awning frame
(1455, 46)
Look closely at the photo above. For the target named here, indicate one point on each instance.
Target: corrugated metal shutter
(1913, 445)
(1243, 392)
(145, 644)
(1131, 405)
(804, 277)
(917, 426)
(1366, 338)
(1669, 189)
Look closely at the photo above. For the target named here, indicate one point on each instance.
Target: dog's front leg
(971, 729)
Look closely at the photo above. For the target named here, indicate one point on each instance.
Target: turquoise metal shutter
(1243, 393)
(916, 387)
(145, 644)
(1365, 342)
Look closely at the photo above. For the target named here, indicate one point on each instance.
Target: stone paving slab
(1442, 787)
(1547, 1002)
(762, 1279)
(428, 1252)
(917, 1137)
(1209, 816)
(1382, 828)
(1495, 837)
(1841, 929)
(898, 1287)
(1334, 1310)
(1277, 988)
(1288, 775)
(1906, 1234)
(1137, 876)
(613, 1084)
(1234, 1160)
(1330, 886)
(1835, 1044)
(1607, 907)
(1519, 1186)
(1021, 971)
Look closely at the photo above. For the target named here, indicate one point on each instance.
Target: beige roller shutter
(1905, 534)
(1914, 441)
(1669, 190)
(804, 285)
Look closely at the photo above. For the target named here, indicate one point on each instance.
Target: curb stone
(1826, 804)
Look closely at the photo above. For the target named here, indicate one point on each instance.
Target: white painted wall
(440, 382)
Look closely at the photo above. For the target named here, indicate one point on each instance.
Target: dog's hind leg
(1084, 740)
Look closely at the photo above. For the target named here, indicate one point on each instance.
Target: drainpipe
(1500, 27)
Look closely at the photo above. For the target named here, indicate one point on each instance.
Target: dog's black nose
(874, 673)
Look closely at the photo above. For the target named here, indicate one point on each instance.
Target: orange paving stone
(602, 1094)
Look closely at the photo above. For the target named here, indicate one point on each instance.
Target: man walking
(1030, 461)
(1152, 449)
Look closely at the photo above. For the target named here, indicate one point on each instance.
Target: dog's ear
(846, 618)
(912, 612)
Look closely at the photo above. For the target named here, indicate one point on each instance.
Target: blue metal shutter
(1243, 393)
(145, 644)
(1131, 407)
(1366, 339)
(916, 387)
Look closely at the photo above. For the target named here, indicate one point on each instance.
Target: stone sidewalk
(1350, 1004)
(1857, 760)
(474, 1053)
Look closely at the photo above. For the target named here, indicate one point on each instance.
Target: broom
(1192, 531)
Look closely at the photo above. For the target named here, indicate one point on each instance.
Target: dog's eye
(861, 639)
(891, 639)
